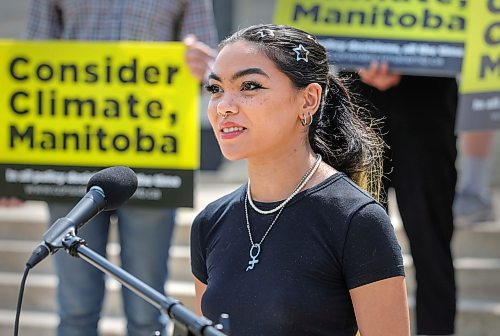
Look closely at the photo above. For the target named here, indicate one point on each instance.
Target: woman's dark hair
(340, 130)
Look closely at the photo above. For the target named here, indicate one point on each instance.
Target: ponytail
(347, 138)
(346, 141)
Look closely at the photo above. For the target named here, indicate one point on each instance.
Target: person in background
(301, 249)
(419, 128)
(473, 203)
(10, 202)
(144, 232)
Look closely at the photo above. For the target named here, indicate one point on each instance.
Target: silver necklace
(255, 247)
(297, 189)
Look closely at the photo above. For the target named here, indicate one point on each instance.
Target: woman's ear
(311, 99)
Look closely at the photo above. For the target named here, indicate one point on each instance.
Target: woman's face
(261, 105)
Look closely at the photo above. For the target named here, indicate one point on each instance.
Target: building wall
(247, 13)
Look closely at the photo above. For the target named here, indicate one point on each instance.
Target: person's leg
(473, 200)
(425, 208)
(81, 286)
(145, 237)
(424, 151)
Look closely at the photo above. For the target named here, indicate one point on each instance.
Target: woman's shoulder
(340, 189)
(341, 198)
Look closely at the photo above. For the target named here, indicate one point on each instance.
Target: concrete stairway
(477, 261)
(21, 230)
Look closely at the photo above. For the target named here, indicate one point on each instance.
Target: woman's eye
(250, 86)
(213, 89)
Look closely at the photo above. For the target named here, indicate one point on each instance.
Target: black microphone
(107, 189)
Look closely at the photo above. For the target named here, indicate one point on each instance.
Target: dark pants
(420, 164)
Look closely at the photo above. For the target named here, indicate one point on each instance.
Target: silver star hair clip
(265, 32)
(302, 53)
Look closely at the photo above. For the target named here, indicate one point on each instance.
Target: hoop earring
(304, 120)
(223, 115)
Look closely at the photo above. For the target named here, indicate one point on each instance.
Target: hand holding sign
(198, 57)
(10, 202)
(379, 76)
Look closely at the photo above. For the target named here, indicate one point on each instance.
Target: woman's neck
(275, 177)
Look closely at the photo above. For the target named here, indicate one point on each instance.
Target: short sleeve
(198, 252)
(371, 250)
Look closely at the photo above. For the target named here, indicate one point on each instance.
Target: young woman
(300, 249)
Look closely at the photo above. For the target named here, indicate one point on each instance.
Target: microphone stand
(186, 323)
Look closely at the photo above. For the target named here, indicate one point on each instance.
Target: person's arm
(381, 308)
(199, 57)
(379, 76)
(199, 288)
(374, 273)
(200, 36)
(198, 259)
(44, 20)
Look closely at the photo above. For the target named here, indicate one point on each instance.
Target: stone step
(16, 225)
(183, 221)
(35, 323)
(478, 318)
(29, 222)
(26, 230)
(476, 278)
(474, 317)
(14, 255)
(40, 291)
(477, 252)
(481, 240)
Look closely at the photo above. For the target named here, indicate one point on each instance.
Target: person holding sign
(145, 232)
(473, 203)
(419, 126)
(302, 248)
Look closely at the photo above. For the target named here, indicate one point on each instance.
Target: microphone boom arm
(186, 323)
(79, 215)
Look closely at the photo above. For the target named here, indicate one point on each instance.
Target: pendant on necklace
(254, 253)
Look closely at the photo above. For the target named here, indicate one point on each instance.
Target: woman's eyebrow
(249, 71)
(214, 77)
(240, 74)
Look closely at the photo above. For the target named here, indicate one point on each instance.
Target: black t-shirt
(328, 239)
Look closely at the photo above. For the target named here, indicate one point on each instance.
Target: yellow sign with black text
(98, 104)
(413, 36)
(479, 104)
(428, 20)
(481, 69)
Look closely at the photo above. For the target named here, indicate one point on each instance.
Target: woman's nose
(226, 107)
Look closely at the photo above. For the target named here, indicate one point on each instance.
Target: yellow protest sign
(414, 36)
(69, 108)
(98, 104)
(479, 106)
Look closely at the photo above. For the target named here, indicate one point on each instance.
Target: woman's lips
(230, 130)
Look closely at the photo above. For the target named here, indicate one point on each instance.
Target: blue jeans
(145, 235)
